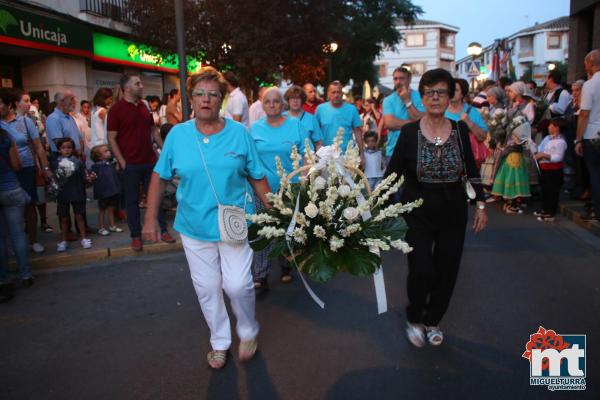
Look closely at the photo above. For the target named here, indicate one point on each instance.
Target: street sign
(474, 69)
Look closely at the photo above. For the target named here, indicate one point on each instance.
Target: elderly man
(312, 101)
(336, 114)
(61, 123)
(587, 143)
(401, 107)
(130, 129)
(256, 109)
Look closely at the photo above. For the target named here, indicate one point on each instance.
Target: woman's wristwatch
(577, 141)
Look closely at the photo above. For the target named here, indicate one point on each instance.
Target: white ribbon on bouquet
(324, 156)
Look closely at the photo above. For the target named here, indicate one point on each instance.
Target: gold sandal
(216, 358)
(248, 349)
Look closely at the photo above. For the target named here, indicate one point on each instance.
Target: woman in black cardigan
(434, 155)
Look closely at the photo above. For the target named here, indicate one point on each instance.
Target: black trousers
(551, 182)
(436, 231)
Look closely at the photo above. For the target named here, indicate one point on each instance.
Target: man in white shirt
(256, 111)
(237, 104)
(558, 98)
(587, 143)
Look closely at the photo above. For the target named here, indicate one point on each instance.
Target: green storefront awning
(115, 50)
(27, 29)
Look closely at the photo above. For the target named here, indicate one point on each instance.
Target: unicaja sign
(556, 361)
(56, 37)
(20, 26)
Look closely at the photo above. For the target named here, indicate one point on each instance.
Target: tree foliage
(265, 39)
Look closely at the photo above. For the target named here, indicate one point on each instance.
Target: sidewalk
(104, 248)
(574, 210)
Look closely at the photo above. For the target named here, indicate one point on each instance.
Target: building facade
(584, 23)
(425, 45)
(533, 48)
(77, 45)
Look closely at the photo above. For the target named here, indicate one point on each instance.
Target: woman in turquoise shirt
(458, 110)
(230, 161)
(274, 136)
(295, 97)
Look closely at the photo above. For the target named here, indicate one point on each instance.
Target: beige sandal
(216, 358)
(248, 349)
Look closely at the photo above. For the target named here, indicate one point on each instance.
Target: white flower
(319, 183)
(271, 232)
(350, 229)
(319, 232)
(299, 235)
(335, 243)
(499, 113)
(344, 190)
(311, 210)
(350, 213)
(401, 245)
(262, 219)
(381, 244)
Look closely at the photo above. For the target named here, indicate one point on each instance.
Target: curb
(574, 213)
(46, 261)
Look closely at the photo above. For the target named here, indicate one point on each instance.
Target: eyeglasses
(432, 92)
(212, 94)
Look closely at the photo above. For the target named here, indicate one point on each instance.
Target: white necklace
(437, 141)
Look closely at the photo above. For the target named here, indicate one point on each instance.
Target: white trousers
(218, 266)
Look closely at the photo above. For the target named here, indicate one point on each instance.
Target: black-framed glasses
(432, 92)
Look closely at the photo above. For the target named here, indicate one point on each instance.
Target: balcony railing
(113, 9)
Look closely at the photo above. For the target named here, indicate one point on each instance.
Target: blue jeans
(591, 155)
(133, 175)
(12, 223)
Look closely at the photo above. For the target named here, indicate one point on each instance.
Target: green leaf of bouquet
(279, 248)
(362, 262)
(316, 263)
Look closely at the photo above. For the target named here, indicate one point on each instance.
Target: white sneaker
(115, 229)
(86, 243)
(103, 232)
(37, 247)
(62, 246)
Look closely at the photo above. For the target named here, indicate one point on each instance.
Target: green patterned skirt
(512, 178)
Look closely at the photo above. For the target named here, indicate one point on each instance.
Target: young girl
(551, 152)
(71, 194)
(107, 187)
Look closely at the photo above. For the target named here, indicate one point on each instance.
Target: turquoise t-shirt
(231, 158)
(22, 129)
(271, 142)
(473, 114)
(394, 105)
(330, 119)
(311, 126)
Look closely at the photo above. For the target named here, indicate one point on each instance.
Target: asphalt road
(133, 330)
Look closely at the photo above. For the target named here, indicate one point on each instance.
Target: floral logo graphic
(545, 339)
(6, 20)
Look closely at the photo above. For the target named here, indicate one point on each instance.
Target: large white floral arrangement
(328, 222)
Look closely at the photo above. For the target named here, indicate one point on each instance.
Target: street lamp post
(329, 49)
(474, 50)
(185, 104)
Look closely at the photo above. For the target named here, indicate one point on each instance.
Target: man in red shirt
(312, 101)
(130, 131)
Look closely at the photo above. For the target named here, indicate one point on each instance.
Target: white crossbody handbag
(233, 228)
